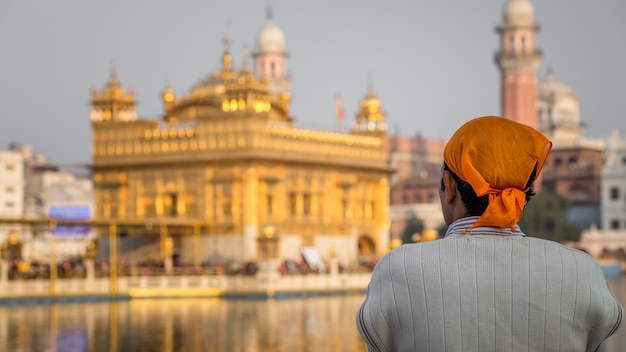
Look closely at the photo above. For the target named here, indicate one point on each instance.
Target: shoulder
(555, 246)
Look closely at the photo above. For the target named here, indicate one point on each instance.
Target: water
(312, 324)
(190, 325)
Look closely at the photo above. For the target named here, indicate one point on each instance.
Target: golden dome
(371, 117)
(371, 102)
(168, 95)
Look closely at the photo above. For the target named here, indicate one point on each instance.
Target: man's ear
(451, 187)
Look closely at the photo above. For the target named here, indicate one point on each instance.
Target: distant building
(39, 189)
(11, 191)
(614, 185)
(573, 169)
(64, 196)
(611, 236)
(11, 184)
(417, 162)
(226, 153)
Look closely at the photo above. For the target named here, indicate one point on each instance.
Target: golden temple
(226, 154)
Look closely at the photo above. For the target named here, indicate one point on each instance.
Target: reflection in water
(190, 325)
(312, 324)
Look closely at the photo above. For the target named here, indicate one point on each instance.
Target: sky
(430, 62)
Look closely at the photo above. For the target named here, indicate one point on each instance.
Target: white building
(613, 185)
(31, 187)
(574, 168)
(11, 191)
(60, 195)
(11, 184)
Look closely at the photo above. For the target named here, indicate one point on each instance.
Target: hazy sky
(432, 61)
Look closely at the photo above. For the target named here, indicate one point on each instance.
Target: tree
(413, 226)
(442, 229)
(544, 217)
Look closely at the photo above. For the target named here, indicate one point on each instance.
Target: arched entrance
(367, 247)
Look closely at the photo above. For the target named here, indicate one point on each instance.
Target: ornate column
(250, 213)
(381, 216)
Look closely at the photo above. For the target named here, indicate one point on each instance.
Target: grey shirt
(489, 289)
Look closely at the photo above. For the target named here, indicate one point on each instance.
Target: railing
(183, 285)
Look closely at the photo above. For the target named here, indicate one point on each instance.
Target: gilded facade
(226, 154)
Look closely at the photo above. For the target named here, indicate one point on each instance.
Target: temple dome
(270, 39)
(370, 102)
(518, 13)
(551, 88)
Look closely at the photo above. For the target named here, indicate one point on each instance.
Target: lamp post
(268, 254)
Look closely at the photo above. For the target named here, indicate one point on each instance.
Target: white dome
(551, 88)
(519, 13)
(270, 39)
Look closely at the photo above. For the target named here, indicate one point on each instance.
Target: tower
(271, 57)
(113, 103)
(371, 118)
(519, 61)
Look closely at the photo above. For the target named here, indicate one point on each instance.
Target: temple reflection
(168, 325)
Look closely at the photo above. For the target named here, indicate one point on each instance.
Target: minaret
(519, 61)
(271, 57)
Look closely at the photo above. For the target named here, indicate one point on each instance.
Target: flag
(339, 107)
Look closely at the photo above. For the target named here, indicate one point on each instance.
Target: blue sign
(70, 212)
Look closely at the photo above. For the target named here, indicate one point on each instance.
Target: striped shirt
(487, 289)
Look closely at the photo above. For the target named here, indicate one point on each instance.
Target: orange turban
(496, 156)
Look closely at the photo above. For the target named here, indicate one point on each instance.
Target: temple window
(293, 205)
(170, 204)
(307, 204)
(270, 203)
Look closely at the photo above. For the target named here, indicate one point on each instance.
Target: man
(486, 286)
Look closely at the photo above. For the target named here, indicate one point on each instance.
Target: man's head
(497, 160)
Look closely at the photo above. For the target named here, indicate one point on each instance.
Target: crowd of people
(76, 267)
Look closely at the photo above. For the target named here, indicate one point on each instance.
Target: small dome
(551, 88)
(211, 85)
(270, 39)
(370, 102)
(519, 13)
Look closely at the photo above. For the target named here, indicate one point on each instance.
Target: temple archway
(367, 247)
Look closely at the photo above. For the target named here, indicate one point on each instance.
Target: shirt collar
(462, 227)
